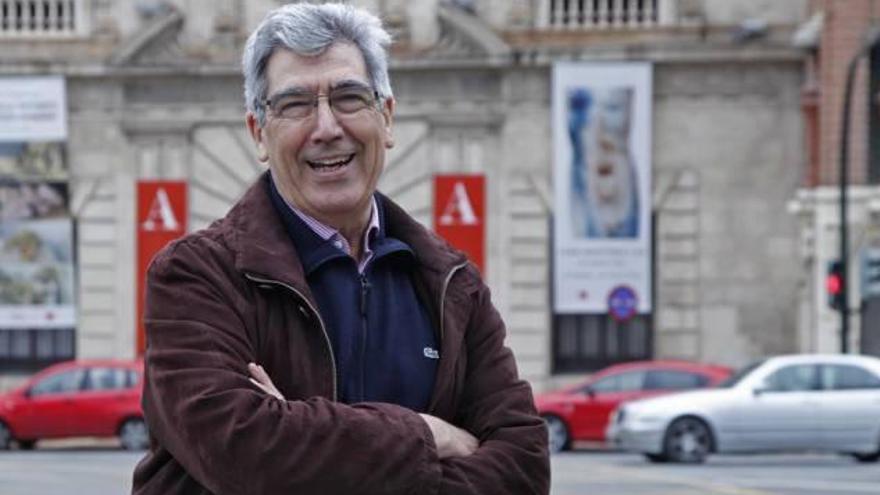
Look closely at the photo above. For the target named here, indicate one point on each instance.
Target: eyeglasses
(300, 105)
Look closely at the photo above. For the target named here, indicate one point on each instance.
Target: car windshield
(735, 378)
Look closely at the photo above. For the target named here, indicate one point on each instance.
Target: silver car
(786, 403)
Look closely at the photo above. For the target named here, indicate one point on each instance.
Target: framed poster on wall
(602, 183)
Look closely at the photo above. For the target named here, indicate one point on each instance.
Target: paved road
(107, 471)
(605, 473)
(67, 471)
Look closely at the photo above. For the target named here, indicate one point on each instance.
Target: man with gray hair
(317, 339)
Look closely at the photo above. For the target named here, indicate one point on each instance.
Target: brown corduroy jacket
(236, 293)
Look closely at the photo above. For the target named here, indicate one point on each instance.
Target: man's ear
(388, 121)
(256, 132)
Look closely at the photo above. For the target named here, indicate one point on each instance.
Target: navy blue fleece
(382, 337)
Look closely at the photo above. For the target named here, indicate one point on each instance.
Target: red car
(581, 412)
(97, 398)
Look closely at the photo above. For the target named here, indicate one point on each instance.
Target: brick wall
(846, 24)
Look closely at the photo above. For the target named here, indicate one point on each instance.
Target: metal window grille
(591, 342)
(41, 18)
(600, 14)
(34, 349)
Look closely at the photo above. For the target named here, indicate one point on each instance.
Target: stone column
(424, 27)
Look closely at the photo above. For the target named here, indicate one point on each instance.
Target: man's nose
(327, 126)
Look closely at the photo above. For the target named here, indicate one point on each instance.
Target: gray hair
(309, 29)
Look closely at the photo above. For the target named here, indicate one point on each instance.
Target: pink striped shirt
(330, 234)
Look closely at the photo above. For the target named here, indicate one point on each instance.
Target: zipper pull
(365, 288)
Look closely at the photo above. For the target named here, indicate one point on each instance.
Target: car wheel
(869, 457)
(26, 444)
(656, 458)
(557, 434)
(687, 440)
(873, 457)
(5, 436)
(133, 435)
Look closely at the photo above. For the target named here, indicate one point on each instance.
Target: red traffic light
(833, 283)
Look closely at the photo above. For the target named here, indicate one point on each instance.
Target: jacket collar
(259, 241)
(258, 237)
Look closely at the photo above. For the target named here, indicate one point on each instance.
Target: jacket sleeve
(498, 408)
(234, 439)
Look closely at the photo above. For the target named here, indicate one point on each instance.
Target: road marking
(823, 486)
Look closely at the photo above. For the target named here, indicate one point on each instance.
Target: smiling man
(318, 339)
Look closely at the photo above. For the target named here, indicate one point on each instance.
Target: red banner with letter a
(459, 213)
(161, 218)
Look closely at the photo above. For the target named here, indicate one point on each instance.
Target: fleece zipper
(365, 289)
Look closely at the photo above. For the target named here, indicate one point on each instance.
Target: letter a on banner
(161, 218)
(161, 215)
(459, 210)
(459, 213)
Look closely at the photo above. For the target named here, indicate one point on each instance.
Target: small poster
(36, 274)
(33, 109)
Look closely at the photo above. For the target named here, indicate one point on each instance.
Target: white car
(786, 403)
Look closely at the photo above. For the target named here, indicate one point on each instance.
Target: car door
(600, 399)
(50, 405)
(850, 407)
(102, 401)
(782, 413)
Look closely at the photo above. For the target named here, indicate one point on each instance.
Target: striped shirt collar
(329, 234)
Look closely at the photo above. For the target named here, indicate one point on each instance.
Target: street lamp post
(871, 40)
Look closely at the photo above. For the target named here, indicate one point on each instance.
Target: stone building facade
(154, 91)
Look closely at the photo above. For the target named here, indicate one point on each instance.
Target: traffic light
(870, 275)
(834, 285)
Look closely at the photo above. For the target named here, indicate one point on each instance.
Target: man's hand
(261, 379)
(451, 440)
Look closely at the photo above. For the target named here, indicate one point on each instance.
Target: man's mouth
(331, 163)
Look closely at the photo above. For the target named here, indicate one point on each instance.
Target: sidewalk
(83, 443)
